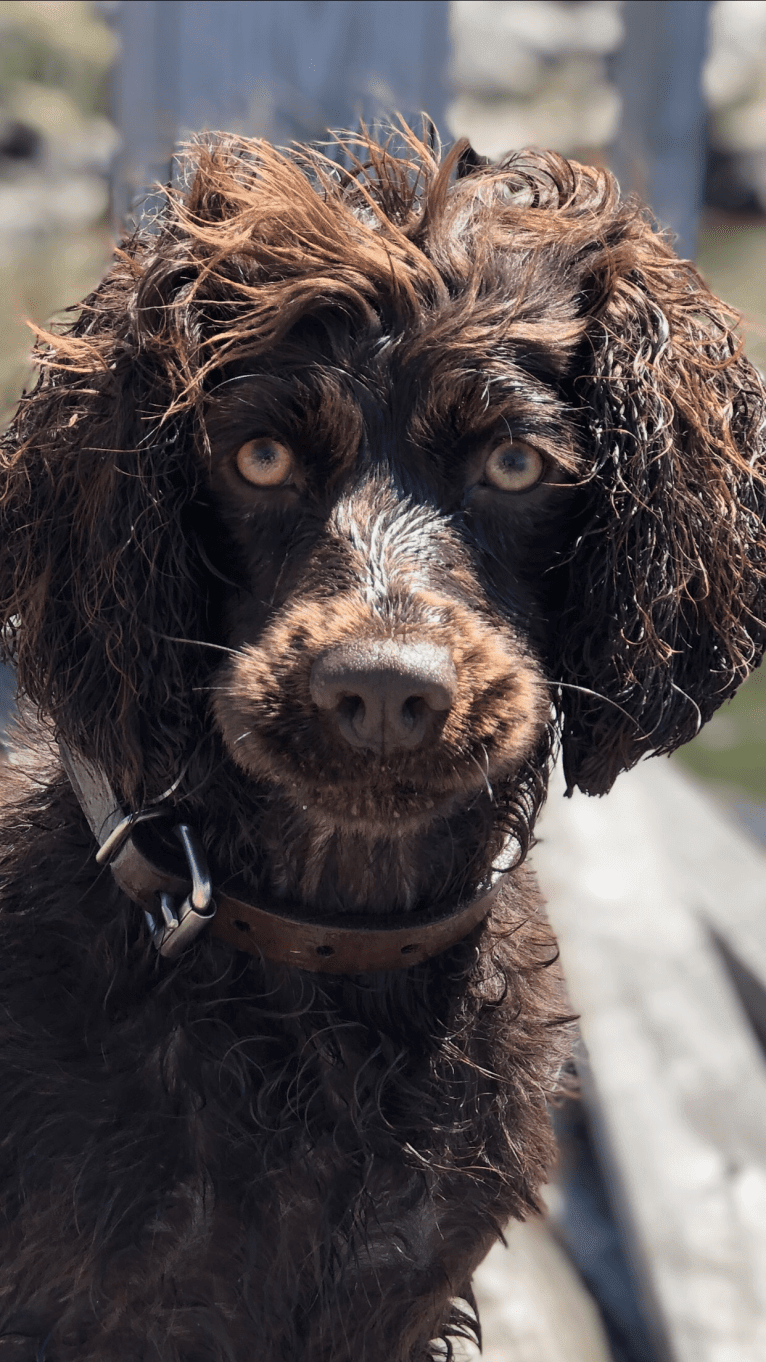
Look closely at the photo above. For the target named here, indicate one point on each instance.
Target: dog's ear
(664, 611)
(97, 571)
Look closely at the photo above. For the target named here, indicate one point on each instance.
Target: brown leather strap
(280, 934)
(337, 949)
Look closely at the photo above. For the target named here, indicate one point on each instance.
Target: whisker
(597, 695)
(201, 643)
(484, 774)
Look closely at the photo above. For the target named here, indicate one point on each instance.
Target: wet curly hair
(216, 1158)
(660, 605)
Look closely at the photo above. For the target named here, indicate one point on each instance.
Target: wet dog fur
(221, 1158)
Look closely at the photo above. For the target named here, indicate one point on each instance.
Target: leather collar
(281, 933)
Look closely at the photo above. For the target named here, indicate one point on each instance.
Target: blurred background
(672, 95)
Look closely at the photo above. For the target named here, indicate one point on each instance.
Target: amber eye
(265, 462)
(513, 467)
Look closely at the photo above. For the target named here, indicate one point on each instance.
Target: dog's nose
(385, 695)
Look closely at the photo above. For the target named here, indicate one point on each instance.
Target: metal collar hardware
(113, 844)
(176, 928)
(278, 932)
(172, 929)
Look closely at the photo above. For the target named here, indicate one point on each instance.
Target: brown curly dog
(343, 498)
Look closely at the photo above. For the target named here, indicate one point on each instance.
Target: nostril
(414, 710)
(383, 694)
(357, 722)
(350, 707)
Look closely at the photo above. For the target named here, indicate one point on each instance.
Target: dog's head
(426, 449)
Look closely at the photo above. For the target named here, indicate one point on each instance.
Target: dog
(359, 484)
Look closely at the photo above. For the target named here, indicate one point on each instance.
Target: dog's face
(426, 448)
(394, 533)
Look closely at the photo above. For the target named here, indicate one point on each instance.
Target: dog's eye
(513, 467)
(265, 462)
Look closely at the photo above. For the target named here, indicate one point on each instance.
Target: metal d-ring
(113, 844)
(177, 928)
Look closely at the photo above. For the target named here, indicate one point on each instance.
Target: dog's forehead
(328, 365)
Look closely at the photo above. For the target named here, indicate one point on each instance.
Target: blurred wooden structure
(533, 1305)
(286, 71)
(661, 145)
(290, 69)
(660, 910)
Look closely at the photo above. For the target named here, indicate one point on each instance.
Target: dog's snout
(384, 695)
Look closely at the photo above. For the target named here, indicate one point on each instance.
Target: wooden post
(660, 148)
(282, 69)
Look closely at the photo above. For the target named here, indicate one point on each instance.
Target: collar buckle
(175, 928)
(277, 932)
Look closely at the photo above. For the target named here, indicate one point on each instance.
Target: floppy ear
(98, 574)
(664, 615)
